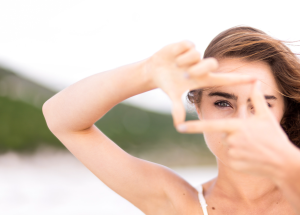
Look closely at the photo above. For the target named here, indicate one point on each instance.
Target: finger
(178, 112)
(181, 47)
(197, 126)
(203, 67)
(258, 100)
(218, 79)
(188, 58)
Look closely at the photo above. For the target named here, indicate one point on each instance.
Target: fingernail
(181, 128)
(186, 75)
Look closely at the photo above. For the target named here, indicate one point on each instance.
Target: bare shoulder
(182, 196)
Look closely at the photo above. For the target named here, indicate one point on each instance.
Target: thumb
(178, 112)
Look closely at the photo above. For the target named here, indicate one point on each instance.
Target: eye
(269, 105)
(222, 104)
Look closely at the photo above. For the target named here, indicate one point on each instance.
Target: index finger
(259, 101)
(229, 79)
(198, 126)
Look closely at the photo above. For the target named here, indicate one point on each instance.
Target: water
(47, 184)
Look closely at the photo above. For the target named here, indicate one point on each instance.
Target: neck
(245, 187)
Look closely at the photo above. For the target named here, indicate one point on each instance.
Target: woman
(257, 161)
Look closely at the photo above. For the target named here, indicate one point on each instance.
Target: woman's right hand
(178, 67)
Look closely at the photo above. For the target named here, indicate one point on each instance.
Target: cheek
(208, 111)
(214, 143)
(278, 112)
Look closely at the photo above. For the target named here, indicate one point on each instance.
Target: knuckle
(197, 68)
(196, 55)
(177, 48)
(191, 56)
(171, 47)
(187, 43)
(212, 63)
(192, 70)
(183, 45)
(179, 61)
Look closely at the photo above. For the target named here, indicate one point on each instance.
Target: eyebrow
(225, 95)
(234, 97)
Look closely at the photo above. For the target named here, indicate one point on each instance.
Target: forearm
(80, 105)
(289, 181)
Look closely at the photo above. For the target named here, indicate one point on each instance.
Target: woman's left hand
(256, 145)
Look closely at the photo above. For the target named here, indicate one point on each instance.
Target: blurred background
(47, 45)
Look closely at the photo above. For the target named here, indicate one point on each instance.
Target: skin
(152, 188)
(252, 150)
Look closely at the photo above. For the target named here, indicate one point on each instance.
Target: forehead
(258, 69)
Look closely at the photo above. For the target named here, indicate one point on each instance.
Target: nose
(243, 112)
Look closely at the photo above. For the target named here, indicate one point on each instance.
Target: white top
(202, 199)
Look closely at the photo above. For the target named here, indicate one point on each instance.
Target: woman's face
(234, 101)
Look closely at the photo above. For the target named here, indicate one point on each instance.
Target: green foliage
(23, 127)
(139, 132)
(136, 129)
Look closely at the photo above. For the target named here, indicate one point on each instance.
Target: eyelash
(217, 103)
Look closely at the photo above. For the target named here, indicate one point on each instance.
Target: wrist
(148, 73)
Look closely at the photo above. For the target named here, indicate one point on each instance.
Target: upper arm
(141, 182)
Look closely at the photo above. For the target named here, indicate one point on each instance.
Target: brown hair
(254, 45)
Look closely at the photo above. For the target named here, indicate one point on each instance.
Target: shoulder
(180, 194)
